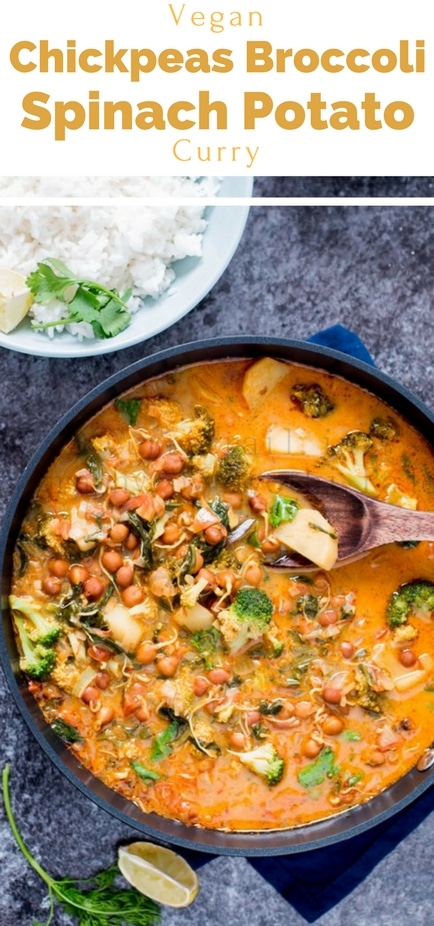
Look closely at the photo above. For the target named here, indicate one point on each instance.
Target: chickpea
(119, 533)
(51, 585)
(218, 676)
(164, 489)
(327, 618)
(407, 658)
(146, 653)
(78, 574)
(112, 560)
(132, 595)
(124, 575)
(198, 563)
(150, 449)
(171, 533)
(132, 542)
(331, 694)
(142, 713)
(270, 545)
(94, 587)
(213, 706)
(311, 749)
(347, 649)
(172, 463)
(332, 726)
(253, 575)
(119, 497)
(257, 503)
(84, 484)
(238, 740)
(376, 757)
(58, 567)
(99, 652)
(167, 665)
(134, 697)
(303, 709)
(209, 576)
(200, 685)
(90, 694)
(227, 578)
(214, 534)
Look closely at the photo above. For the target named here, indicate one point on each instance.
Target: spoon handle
(389, 524)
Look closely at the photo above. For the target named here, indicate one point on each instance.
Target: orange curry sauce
(125, 548)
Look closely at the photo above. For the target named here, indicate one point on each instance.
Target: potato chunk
(261, 378)
(311, 535)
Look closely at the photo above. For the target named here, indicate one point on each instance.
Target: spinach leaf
(283, 509)
(316, 772)
(129, 408)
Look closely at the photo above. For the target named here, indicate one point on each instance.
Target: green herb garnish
(97, 902)
(283, 509)
(85, 300)
(162, 744)
(129, 408)
(316, 772)
(144, 773)
(66, 731)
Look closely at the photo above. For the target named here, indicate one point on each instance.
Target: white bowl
(195, 277)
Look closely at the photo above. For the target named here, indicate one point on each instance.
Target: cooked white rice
(127, 246)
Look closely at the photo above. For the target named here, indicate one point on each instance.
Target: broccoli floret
(247, 618)
(348, 456)
(45, 630)
(205, 464)
(366, 696)
(233, 470)
(195, 435)
(48, 535)
(383, 428)
(413, 598)
(312, 400)
(405, 633)
(265, 762)
(36, 660)
(166, 411)
(191, 593)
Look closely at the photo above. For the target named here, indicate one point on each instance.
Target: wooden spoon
(361, 522)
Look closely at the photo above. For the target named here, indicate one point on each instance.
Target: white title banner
(267, 88)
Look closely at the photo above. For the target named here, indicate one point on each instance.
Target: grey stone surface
(344, 186)
(297, 269)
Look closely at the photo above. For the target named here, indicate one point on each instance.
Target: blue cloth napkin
(315, 881)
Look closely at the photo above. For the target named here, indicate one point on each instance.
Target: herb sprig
(100, 903)
(85, 300)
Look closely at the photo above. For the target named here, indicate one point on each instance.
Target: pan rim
(216, 842)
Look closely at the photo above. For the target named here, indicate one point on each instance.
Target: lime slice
(15, 299)
(161, 874)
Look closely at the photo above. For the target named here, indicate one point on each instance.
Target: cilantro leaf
(144, 773)
(130, 408)
(85, 300)
(161, 747)
(47, 285)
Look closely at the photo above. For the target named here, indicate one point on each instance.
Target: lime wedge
(160, 873)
